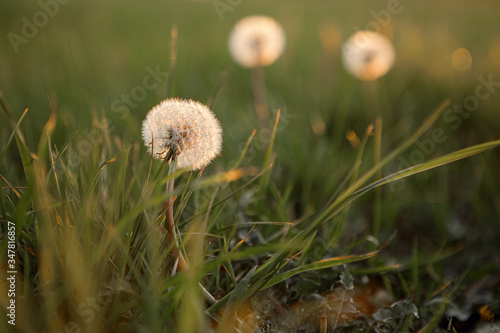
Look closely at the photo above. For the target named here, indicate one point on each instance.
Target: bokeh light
(331, 36)
(495, 52)
(461, 59)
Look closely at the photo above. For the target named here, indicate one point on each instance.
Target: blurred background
(90, 53)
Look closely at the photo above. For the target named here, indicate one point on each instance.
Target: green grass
(275, 219)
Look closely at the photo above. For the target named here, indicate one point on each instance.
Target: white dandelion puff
(368, 55)
(184, 129)
(256, 41)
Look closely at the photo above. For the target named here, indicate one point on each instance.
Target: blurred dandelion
(184, 130)
(368, 55)
(254, 42)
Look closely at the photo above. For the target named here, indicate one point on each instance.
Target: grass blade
(220, 86)
(173, 60)
(434, 163)
(325, 263)
(14, 130)
(370, 173)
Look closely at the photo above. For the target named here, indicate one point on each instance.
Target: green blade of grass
(245, 149)
(237, 246)
(22, 147)
(120, 182)
(360, 153)
(441, 309)
(377, 205)
(370, 173)
(12, 136)
(173, 60)
(94, 181)
(230, 195)
(212, 100)
(434, 163)
(325, 263)
(240, 288)
(415, 271)
(303, 257)
(437, 162)
(269, 153)
(65, 146)
(186, 194)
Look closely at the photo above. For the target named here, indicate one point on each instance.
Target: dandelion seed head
(256, 41)
(185, 128)
(368, 55)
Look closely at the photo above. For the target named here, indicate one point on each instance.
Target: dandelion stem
(371, 96)
(377, 210)
(169, 219)
(259, 96)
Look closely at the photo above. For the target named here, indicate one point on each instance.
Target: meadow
(306, 225)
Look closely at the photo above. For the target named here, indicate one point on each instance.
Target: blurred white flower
(184, 128)
(256, 41)
(368, 55)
